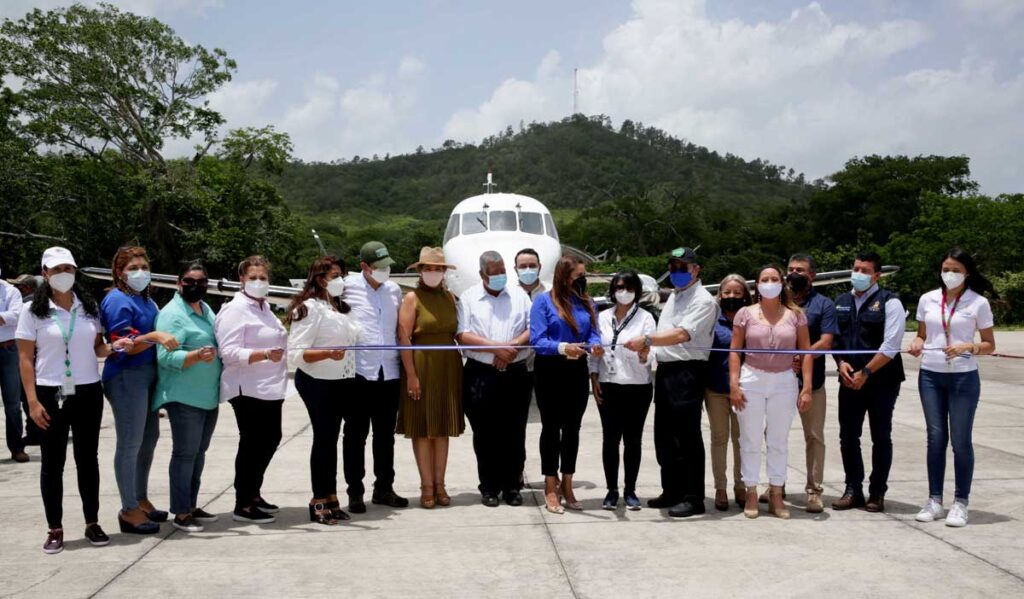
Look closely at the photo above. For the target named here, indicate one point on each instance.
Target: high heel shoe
(427, 497)
(442, 497)
(338, 513)
(775, 505)
(146, 528)
(750, 509)
(320, 513)
(552, 498)
(572, 504)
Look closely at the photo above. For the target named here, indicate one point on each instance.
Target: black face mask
(193, 293)
(732, 304)
(798, 282)
(580, 285)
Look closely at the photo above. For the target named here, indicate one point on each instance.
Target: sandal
(442, 497)
(320, 513)
(427, 497)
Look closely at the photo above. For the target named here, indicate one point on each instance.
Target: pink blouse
(761, 335)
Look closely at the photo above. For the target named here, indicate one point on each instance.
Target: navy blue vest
(866, 330)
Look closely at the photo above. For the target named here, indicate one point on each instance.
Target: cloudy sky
(799, 83)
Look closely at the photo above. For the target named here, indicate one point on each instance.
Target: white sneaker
(930, 512)
(957, 516)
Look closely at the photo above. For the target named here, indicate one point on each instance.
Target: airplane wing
(833, 277)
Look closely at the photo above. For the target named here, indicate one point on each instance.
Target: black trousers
(563, 388)
(878, 403)
(678, 441)
(623, 411)
(259, 434)
(325, 402)
(81, 413)
(497, 405)
(373, 403)
(33, 434)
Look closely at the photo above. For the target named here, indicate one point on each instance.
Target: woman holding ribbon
(949, 318)
(763, 386)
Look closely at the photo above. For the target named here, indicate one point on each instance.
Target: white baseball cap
(56, 256)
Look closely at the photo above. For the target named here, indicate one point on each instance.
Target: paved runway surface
(471, 550)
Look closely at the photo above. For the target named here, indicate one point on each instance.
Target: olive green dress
(438, 413)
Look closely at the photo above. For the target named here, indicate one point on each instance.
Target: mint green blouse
(199, 384)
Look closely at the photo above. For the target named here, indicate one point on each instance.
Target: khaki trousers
(813, 421)
(724, 426)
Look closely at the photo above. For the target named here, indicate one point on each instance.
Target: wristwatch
(648, 341)
(866, 371)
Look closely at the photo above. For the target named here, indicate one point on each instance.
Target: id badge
(609, 363)
(68, 388)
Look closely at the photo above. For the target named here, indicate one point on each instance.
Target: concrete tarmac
(471, 550)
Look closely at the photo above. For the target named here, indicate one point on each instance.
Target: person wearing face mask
(254, 381)
(622, 388)
(762, 386)
(27, 286)
(324, 377)
(563, 329)
(687, 323)
(733, 294)
(188, 387)
(948, 319)
(59, 341)
(374, 300)
(430, 411)
(129, 380)
(528, 267)
(10, 382)
(871, 319)
(496, 384)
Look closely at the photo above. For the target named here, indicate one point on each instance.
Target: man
(496, 382)
(27, 285)
(10, 378)
(374, 300)
(870, 318)
(686, 322)
(528, 271)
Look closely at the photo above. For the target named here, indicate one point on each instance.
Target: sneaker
(632, 501)
(54, 541)
(96, 536)
(610, 500)
(931, 511)
(252, 514)
(957, 516)
(267, 508)
(201, 515)
(188, 523)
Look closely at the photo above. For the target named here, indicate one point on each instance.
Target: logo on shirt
(875, 307)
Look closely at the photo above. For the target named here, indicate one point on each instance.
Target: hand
(797, 363)
(500, 363)
(596, 386)
(412, 384)
(635, 344)
(574, 350)
(506, 355)
(167, 340)
(336, 354)
(275, 355)
(644, 354)
(737, 399)
(39, 415)
(846, 373)
(208, 353)
(916, 347)
(954, 350)
(123, 344)
(597, 351)
(858, 380)
(804, 402)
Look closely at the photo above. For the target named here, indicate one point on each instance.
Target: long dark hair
(316, 287)
(563, 292)
(43, 295)
(976, 282)
(786, 297)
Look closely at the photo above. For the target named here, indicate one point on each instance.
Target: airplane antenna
(319, 243)
(490, 185)
(575, 91)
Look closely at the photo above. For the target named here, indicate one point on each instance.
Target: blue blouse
(718, 379)
(547, 329)
(119, 313)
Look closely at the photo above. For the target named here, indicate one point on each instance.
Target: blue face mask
(860, 281)
(680, 279)
(528, 276)
(497, 282)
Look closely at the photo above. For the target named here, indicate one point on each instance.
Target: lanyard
(622, 327)
(66, 335)
(946, 323)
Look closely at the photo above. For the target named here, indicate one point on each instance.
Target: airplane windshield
(453, 228)
(550, 226)
(474, 222)
(530, 222)
(503, 220)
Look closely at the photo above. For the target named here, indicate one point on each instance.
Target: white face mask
(138, 279)
(625, 297)
(257, 289)
(952, 280)
(432, 278)
(381, 275)
(62, 281)
(769, 290)
(336, 287)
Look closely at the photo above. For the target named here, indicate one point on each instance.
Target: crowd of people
(752, 359)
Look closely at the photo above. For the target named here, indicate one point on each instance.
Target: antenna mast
(575, 91)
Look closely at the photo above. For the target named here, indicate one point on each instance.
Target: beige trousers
(814, 438)
(724, 426)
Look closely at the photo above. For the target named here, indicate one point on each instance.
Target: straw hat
(431, 257)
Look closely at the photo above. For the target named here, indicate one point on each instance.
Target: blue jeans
(130, 394)
(10, 388)
(950, 400)
(191, 431)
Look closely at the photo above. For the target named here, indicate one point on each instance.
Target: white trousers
(768, 415)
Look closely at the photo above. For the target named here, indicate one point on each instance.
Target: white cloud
(806, 91)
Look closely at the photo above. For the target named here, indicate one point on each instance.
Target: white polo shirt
(50, 348)
(500, 318)
(323, 326)
(695, 311)
(375, 311)
(972, 314)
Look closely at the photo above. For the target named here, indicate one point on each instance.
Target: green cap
(375, 254)
(684, 254)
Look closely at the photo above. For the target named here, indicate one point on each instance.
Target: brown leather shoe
(848, 501)
(740, 497)
(19, 456)
(721, 500)
(875, 504)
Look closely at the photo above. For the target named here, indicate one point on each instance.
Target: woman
(622, 386)
(948, 319)
(188, 387)
(59, 338)
(430, 411)
(129, 380)
(732, 295)
(563, 326)
(763, 386)
(323, 377)
(255, 381)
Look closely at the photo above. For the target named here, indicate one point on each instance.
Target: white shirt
(695, 311)
(895, 321)
(972, 314)
(50, 348)
(531, 356)
(10, 308)
(628, 369)
(499, 318)
(323, 326)
(375, 312)
(243, 326)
